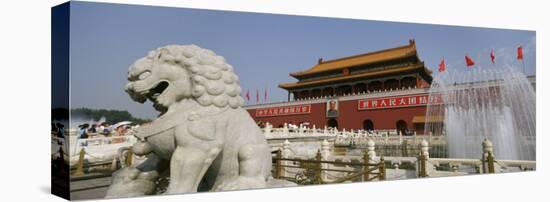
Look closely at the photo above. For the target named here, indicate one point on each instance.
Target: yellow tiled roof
(366, 58)
(352, 76)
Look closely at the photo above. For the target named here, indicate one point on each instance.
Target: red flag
(520, 53)
(257, 96)
(265, 95)
(493, 56)
(442, 65)
(469, 61)
(247, 95)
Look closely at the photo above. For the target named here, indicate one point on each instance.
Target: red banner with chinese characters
(282, 111)
(398, 101)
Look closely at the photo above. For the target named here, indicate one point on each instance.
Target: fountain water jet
(496, 103)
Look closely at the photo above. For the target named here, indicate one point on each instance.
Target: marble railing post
(422, 163)
(325, 154)
(285, 129)
(267, 129)
(318, 172)
(314, 130)
(370, 150)
(285, 154)
(488, 159)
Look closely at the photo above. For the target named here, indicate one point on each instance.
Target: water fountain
(497, 103)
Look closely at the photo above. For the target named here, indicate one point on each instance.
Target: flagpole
(467, 66)
(492, 55)
(523, 63)
(520, 57)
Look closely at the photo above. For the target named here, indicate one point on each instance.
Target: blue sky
(263, 48)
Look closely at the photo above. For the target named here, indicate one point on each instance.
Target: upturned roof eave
(408, 50)
(294, 85)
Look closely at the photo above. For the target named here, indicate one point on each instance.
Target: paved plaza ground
(94, 188)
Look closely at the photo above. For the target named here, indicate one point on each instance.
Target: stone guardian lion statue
(203, 136)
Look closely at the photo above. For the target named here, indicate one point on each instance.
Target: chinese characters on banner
(399, 101)
(286, 110)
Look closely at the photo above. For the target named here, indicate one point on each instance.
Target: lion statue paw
(130, 182)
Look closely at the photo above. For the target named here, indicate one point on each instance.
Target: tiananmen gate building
(381, 90)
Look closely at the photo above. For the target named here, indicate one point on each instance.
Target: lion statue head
(171, 73)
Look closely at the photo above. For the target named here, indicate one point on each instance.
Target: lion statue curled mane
(203, 138)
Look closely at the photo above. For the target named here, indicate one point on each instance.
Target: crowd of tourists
(103, 129)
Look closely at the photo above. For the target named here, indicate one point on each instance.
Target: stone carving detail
(202, 137)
